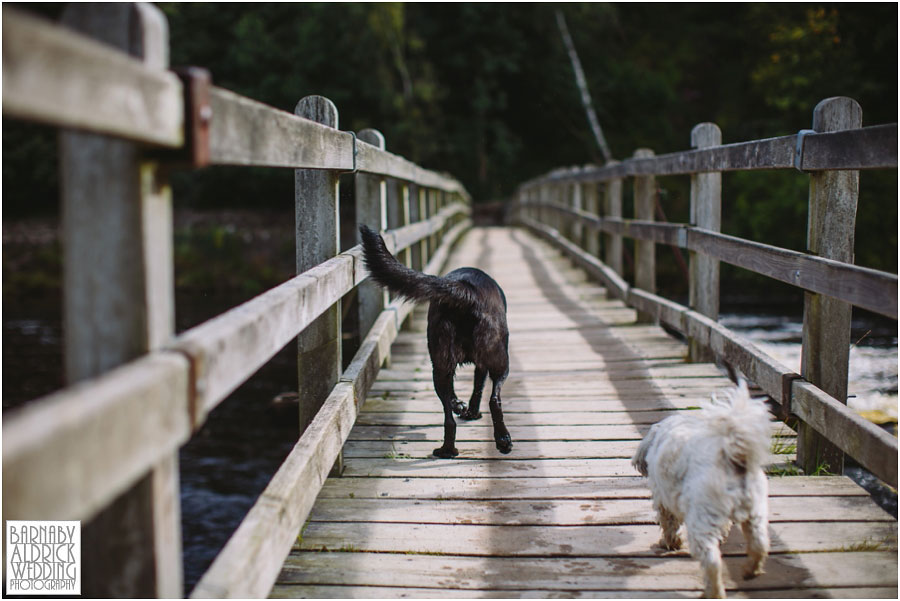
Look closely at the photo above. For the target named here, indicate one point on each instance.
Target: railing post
(317, 236)
(833, 198)
(577, 227)
(613, 208)
(422, 195)
(119, 304)
(644, 251)
(706, 213)
(371, 210)
(591, 240)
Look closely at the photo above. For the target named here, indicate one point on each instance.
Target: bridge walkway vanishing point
(565, 514)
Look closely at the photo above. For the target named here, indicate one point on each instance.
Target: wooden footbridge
(360, 508)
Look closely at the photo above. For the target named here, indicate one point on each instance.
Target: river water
(228, 463)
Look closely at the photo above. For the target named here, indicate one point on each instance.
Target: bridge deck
(564, 514)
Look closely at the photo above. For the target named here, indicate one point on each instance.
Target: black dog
(466, 324)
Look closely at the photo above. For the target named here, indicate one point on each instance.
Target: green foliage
(486, 92)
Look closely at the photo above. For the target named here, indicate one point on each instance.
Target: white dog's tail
(744, 424)
(639, 461)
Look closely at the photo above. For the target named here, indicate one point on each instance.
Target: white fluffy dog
(706, 471)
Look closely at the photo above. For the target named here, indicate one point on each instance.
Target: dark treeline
(487, 93)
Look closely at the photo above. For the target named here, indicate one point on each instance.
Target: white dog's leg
(670, 524)
(706, 550)
(756, 533)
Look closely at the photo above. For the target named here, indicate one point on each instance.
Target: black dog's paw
(468, 415)
(445, 452)
(504, 444)
(458, 407)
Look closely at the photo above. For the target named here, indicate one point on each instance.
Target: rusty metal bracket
(798, 151)
(197, 114)
(355, 169)
(787, 383)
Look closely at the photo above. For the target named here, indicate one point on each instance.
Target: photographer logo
(43, 558)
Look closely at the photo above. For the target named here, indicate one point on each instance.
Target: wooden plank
(317, 237)
(801, 517)
(808, 570)
(706, 213)
(512, 417)
(871, 147)
(246, 132)
(600, 487)
(543, 449)
(96, 438)
(228, 349)
(489, 468)
(249, 564)
(289, 591)
(594, 540)
(624, 430)
(867, 288)
(119, 305)
(57, 77)
(371, 209)
(371, 159)
(831, 231)
(644, 250)
(874, 448)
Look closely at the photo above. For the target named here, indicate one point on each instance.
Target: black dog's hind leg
(501, 434)
(474, 409)
(443, 385)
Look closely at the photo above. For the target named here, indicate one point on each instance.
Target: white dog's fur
(705, 470)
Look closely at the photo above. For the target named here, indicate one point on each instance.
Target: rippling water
(872, 381)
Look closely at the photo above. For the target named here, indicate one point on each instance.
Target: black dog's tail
(409, 283)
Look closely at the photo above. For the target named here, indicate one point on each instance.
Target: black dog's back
(466, 324)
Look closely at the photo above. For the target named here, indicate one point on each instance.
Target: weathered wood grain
(317, 239)
(402, 522)
(93, 440)
(873, 147)
(549, 488)
(119, 305)
(799, 571)
(761, 369)
(290, 591)
(598, 539)
(249, 563)
(867, 288)
(831, 233)
(706, 213)
(55, 76)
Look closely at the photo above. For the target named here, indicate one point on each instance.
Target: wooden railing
(564, 206)
(104, 450)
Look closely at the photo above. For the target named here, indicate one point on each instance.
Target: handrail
(107, 434)
(869, 289)
(148, 402)
(105, 91)
(563, 206)
(250, 562)
(873, 147)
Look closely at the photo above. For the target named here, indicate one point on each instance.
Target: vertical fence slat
(317, 233)
(825, 358)
(612, 207)
(371, 200)
(706, 212)
(591, 205)
(644, 250)
(119, 304)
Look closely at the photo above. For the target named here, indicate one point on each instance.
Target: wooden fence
(105, 449)
(565, 207)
